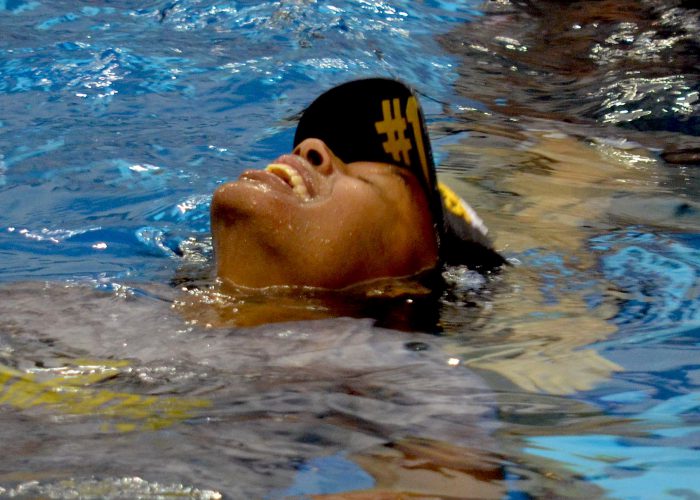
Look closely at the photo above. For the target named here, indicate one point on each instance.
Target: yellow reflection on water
(68, 392)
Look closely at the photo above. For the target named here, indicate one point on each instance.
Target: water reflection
(621, 62)
(596, 211)
(67, 392)
(276, 395)
(404, 304)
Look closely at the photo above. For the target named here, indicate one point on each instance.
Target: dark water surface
(572, 127)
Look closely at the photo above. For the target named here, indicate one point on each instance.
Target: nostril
(314, 157)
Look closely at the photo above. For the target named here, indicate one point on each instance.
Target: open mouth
(292, 177)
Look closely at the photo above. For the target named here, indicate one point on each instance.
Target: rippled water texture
(124, 372)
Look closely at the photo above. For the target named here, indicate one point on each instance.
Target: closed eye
(375, 174)
(404, 175)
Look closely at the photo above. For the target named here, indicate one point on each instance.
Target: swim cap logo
(393, 125)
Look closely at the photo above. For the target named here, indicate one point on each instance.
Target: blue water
(658, 345)
(119, 119)
(130, 115)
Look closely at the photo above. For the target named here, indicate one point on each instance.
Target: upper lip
(307, 173)
(298, 164)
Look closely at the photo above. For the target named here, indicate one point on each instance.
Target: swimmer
(355, 201)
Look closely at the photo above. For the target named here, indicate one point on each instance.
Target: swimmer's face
(309, 219)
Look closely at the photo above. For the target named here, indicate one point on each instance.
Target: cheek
(366, 224)
(359, 209)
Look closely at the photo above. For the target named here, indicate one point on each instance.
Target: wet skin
(309, 219)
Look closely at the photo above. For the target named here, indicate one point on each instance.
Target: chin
(245, 199)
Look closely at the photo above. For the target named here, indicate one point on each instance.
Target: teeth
(291, 177)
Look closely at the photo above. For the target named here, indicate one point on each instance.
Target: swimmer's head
(356, 200)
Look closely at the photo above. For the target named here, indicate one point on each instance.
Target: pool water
(574, 130)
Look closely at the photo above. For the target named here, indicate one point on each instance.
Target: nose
(317, 154)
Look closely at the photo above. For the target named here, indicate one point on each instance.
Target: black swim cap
(381, 120)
